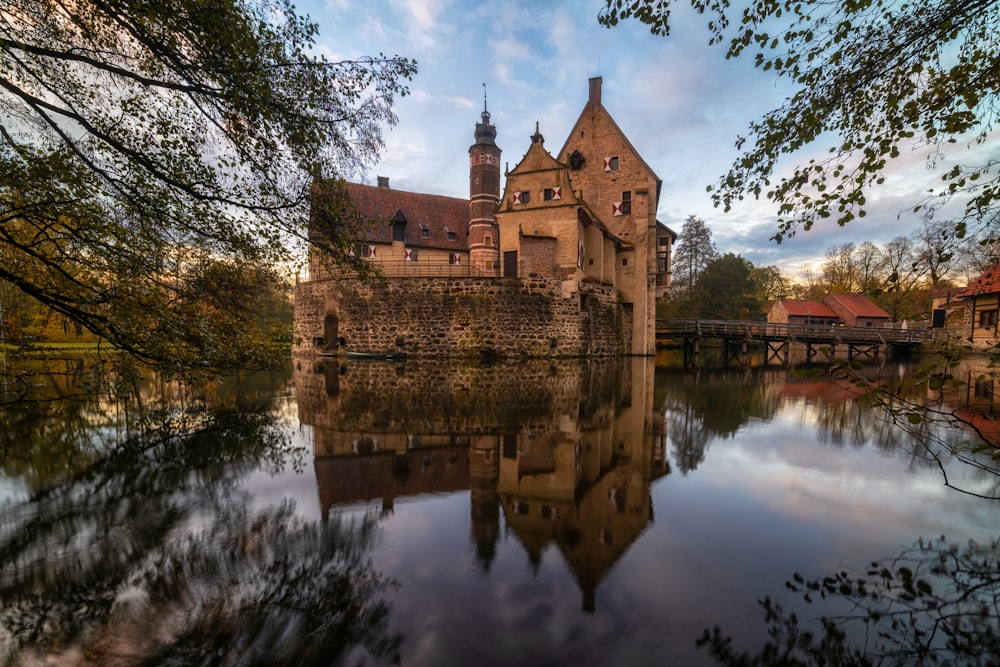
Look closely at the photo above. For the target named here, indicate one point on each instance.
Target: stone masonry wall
(461, 316)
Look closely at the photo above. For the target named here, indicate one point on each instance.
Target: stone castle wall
(452, 396)
(460, 316)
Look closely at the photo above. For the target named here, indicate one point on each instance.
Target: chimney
(595, 91)
(383, 181)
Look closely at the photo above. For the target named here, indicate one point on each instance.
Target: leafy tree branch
(133, 132)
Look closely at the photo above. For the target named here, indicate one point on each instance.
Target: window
(451, 235)
(627, 202)
(984, 388)
(488, 240)
(425, 232)
(454, 258)
(611, 163)
(625, 261)
(410, 255)
(552, 194)
(398, 230)
(987, 319)
(399, 226)
(522, 197)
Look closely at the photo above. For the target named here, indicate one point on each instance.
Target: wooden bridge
(739, 337)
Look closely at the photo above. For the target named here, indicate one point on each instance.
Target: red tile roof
(438, 214)
(858, 305)
(987, 283)
(807, 308)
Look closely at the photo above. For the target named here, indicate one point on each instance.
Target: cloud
(679, 100)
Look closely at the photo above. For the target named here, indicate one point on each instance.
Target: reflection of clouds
(873, 492)
(445, 611)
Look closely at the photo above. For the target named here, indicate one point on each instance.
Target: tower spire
(486, 112)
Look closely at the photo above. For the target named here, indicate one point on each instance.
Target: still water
(529, 513)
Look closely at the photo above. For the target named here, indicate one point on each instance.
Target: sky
(680, 102)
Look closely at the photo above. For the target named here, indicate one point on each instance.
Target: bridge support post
(690, 351)
(777, 351)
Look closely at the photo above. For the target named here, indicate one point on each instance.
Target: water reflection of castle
(565, 450)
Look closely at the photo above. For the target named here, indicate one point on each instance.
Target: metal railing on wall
(416, 269)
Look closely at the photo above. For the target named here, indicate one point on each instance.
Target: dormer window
(449, 234)
(399, 226)
(425, 232)
(576, 160)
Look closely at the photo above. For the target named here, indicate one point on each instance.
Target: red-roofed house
(802, 311)
(851, 310)
(857, 310)
(982, 301)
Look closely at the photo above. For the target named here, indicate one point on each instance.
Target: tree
(137, 134)
(936, 248)
(935, 603)
(839, 271)
(695, 250)
(769, 285)
(902, 280)
(874, 80)
(725, 290)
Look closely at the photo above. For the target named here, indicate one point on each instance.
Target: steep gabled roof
(807, 308)
(435, 213)
(988, 282)
(670, 232)
(537, 158)
(594, 105)
(858, 305)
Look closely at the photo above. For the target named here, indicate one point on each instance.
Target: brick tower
(484, 196)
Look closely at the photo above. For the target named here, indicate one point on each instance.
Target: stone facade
(980, 325)
(459, 316)
(597, 198)
(568, 261)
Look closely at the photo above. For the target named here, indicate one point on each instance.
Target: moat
(529, 513)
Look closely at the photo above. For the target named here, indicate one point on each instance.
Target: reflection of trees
(937, 602)
(61, 416)
(934, 424)
(155, 553)
(704, 405)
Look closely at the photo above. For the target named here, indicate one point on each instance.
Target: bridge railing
(796, 332)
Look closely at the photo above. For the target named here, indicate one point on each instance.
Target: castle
(567, 261)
